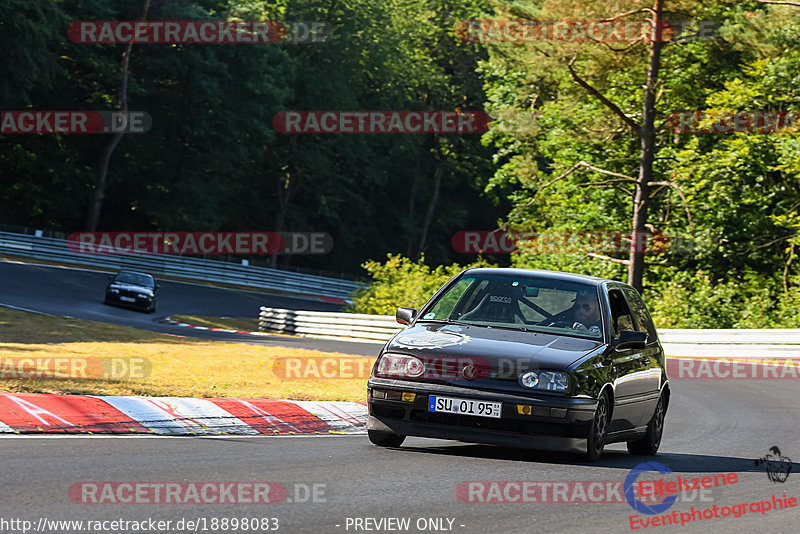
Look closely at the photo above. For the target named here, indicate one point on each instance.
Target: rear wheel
(597, 435)
(385, 439)
(655, 429)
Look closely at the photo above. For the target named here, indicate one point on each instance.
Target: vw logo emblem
(469, 372)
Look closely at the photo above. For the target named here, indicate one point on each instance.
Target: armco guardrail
(692, 343)
(45, 248)
(732, 343)
(328, 325)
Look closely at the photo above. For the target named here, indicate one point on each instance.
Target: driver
(585, 312)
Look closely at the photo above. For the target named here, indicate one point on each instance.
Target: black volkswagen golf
(132, 289)
(524, 358)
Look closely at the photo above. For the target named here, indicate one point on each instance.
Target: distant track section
(58, 250)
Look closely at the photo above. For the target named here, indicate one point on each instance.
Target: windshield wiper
(446, 321)
(516, 328)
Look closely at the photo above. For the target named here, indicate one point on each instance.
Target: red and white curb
(38, 412)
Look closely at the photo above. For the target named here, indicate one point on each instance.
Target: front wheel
(655, 429)
(385, 439)
(597, 435)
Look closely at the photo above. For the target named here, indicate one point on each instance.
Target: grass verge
(181, 367)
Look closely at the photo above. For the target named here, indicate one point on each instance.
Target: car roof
(135, 272)
(540, 273)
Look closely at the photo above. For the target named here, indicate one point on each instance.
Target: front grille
(468, 421)
(514, 426)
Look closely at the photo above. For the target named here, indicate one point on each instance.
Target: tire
(597, 434)
(385, 439)
(648, 445)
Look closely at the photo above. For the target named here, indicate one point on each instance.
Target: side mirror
(405, 315)
(629, 339)
(158, 286)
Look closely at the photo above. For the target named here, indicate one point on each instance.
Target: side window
(621, 318)
(640, 315)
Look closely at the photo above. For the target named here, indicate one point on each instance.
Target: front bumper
(555, 423)
(138, 303)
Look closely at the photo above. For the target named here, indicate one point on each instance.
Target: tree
(611, 70)
(105, 155)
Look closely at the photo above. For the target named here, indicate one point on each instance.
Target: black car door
(652, 356)
(632, 368)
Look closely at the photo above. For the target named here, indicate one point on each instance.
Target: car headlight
(144, 295)
(114, 290)
(399, 366)
(546, 380)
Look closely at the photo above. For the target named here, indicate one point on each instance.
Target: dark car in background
(524, 358)
(134, 290)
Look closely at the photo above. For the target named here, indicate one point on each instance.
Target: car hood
(130, 287)
(497, 346)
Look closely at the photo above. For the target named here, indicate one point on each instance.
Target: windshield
(137, 279)
(527, 303)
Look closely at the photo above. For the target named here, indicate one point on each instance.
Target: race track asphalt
(712, 427)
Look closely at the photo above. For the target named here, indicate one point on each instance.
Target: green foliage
(212, 160)
(29, 34)
(696, 300)
(403, 282)
(736, 196)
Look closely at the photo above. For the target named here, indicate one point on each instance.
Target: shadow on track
(614, 459)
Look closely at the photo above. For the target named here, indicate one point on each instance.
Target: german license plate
(464, 406)
(127, 299)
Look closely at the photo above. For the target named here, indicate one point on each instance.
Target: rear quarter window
(641, 317)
